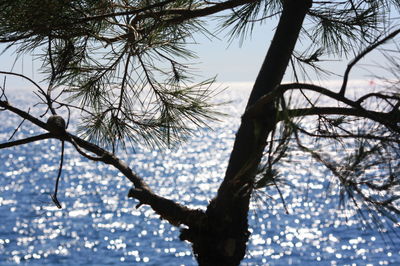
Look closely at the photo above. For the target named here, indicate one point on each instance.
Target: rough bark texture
(223, 236)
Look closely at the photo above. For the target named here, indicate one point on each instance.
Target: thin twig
(18, 127)
(3, 89)
(360, 56)
(52, 79)
(352, 136)
(25, 77)
(54, 196)
(25, 115)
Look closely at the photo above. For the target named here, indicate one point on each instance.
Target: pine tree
(122, 64)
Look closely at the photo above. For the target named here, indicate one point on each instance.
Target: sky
(229, 61)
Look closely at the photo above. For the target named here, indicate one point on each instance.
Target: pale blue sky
(231, 62)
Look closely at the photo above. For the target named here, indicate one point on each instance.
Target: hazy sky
(231, 62)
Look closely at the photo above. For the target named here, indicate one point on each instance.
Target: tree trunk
(223, 236)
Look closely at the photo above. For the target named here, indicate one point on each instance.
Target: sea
(99, 225)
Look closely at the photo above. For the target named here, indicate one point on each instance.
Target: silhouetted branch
(349, 135)
(383, 187)
(202, 12)
(390, 120)
(3, 90)
(26, 141)
(141, 192)
(347, 175)
(168, 16)
(259, 106)
(54, 196)
(24, 115)
(24, 77)
(378, 95)
(84, 154)
(46, 95)
(174, 213)
(145, 196)
(361, 55)
(17, 128)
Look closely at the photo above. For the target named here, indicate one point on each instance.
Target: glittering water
(98, 225)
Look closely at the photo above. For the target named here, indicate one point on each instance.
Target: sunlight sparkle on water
(100, 226)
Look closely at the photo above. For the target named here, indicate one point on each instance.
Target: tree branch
(174, 213)
(24, 77)
(46, 95)
(142, 191)
(184, 14)
(390, 120)
(349, 135)
(26, 140)
(54, 196)
(258, 107)
(168, 16)
(361, 55)
(196, 13)
(378, 95)
(24, 115)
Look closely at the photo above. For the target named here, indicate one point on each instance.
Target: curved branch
(26, 140)
(320, 90)
(122, 13)
(107, 157)
(84, 154)
(24, 115)
(48, 101)
(196, 13)
(378, 95)
(340, 136)
(169, 210)
(143, 191)
(172, 16)
(390, 120)
(360, 56)
(259, 106)
(54, 196)
(184, 14)
(24, 77)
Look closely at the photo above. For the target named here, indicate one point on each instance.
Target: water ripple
(98, 225)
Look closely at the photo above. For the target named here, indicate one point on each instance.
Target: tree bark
(222, 239)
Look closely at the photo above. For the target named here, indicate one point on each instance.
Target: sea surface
(99, 225)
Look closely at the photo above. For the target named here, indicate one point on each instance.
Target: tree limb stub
(174, 213)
